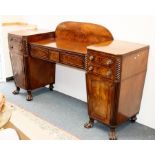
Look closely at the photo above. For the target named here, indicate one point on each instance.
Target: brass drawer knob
(109, 73)
(91, 58)
(90, 68)
(109, 62)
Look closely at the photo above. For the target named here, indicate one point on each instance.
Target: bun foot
(15, 92)
(89, 124)
(51, 87)
(29, 96)
(133, 119)
(112, 134)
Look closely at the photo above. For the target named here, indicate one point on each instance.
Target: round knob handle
(91, 58)
(109, 62)
(11, 47)
(109, 72)
(90, 68)
(11, 39)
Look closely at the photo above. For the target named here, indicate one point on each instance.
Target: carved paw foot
(112, 135)
(133, 119)
(29, 96)
(15, 92)
(89, 124)
(51, 87)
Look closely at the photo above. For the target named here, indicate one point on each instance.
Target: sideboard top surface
(117, 47)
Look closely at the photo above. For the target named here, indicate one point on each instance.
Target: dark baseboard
(9, 78)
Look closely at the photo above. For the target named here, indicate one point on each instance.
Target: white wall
(139, 29)
(10, 18)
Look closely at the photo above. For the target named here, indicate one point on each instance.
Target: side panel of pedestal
(29, 73)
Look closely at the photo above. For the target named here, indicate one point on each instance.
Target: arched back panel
(83, 32)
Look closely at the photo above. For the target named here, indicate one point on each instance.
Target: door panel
(100, 94)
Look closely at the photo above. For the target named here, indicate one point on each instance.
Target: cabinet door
(100, 96)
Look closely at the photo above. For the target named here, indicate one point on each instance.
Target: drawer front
(53, 55)
(39, 52)
(106, 65)
(72, 59)
(106, 72)
(15, 44)
(100, 59)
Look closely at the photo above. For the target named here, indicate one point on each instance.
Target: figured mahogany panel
(72, 59)
(82, 32)
(100, 94)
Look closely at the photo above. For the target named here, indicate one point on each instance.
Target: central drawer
(72, 59)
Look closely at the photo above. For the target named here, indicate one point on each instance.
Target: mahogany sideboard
(115, 70)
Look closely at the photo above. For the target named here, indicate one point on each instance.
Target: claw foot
(133, 119)
(112, 135)
(51, 87)
(15, 92)
(89, 124)
(29, 96)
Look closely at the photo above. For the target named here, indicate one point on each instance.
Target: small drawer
(53, 55)
(72, 59)
(39, 52)
(103, 71)
(100, 59)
